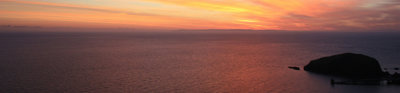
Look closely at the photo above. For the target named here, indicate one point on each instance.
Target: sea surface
(184, 61)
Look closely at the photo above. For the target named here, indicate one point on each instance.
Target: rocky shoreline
(356, 69)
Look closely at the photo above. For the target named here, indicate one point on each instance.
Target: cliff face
(347, 64)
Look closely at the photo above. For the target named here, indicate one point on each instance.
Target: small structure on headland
(359, 68)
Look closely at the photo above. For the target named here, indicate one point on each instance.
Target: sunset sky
(205, 14)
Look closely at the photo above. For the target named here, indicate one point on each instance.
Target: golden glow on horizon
(205, 14)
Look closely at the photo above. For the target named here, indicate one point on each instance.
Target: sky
(329, 15)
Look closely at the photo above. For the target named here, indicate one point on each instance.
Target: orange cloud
(211, 14)
(77, 7)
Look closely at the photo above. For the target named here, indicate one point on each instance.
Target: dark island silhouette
(346, 64)
(359, 68)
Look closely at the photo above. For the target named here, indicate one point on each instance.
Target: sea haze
(191, 61)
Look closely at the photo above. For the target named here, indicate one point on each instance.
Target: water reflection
(174, 62)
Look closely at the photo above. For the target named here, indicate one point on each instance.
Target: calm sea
(183, 62)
